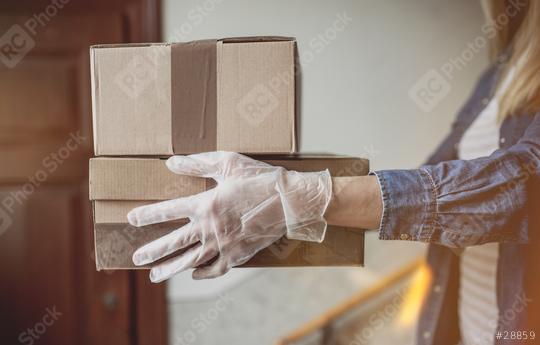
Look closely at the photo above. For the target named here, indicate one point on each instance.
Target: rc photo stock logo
(257, 104)
(33, 334)
(136, 77)
(283, 247)
(19, 39)
(430, 90)
(116, 245)
(14, 45)
(5, 220)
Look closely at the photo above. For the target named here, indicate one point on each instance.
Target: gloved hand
(252, 206)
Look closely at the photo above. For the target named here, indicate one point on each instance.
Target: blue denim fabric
(453, 203)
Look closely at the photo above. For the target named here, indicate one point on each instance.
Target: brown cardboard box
(117, 185)
(235, 94)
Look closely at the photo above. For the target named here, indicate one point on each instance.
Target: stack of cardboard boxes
(151, 101)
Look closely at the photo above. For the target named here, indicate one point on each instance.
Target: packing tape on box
(193, 75)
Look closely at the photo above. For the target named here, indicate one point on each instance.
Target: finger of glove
(162, 211)
(190, 259)
(208, 164)
(166, 245)
(218, 165)
(214, 270)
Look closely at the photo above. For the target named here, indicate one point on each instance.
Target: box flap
(246, 39)
(138, 179)
(131, 98)
(238, 39)
(256, 95)
(149, 178)
(127, 45)
(115, 211)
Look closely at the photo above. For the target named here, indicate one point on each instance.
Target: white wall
(355, 90)
(356, 81)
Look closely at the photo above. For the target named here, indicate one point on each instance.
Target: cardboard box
(235, 94)
(117, 185)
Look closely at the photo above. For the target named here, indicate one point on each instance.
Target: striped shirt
(477, 306)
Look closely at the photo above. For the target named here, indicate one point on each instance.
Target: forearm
(356, 202)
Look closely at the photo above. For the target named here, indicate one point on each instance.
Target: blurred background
(361, 61)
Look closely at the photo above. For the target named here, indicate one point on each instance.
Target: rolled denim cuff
(409, 205)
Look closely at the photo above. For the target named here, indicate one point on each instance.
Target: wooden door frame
(125, 300)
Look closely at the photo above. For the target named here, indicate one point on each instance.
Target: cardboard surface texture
(178, 98)
(117, 185)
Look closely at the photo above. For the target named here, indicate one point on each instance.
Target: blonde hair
(520, 34)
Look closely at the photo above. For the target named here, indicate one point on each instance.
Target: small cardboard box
(117, 185)
(160, 99)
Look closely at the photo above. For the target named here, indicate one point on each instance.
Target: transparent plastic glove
(230, 223)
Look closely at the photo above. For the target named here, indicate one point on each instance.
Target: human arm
(459, 203)
(356, 202)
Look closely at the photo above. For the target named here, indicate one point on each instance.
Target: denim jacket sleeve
(458, 203)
